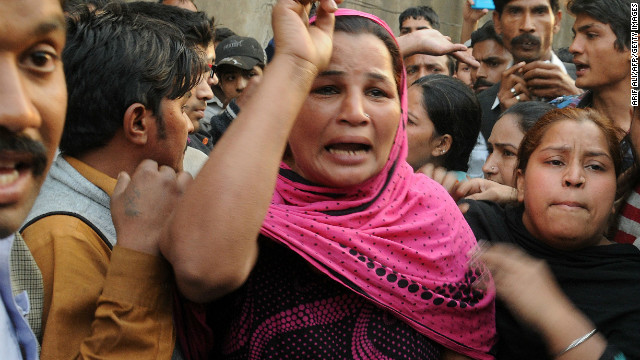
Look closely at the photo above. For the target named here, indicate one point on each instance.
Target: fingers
(123, 181)
(513, 88)
(547, 80)
(330, 6)
(465, 57)
(448, 179)
(521, 88)
(539, 64)
(427, 170)
(449, 182)
(167, 171)
(502, 256)
(464, 207)
(544, 72)
(514, 70)
(324, 16)
(469, 187)
(183, 181)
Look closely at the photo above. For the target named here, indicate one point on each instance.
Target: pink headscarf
(398, 239)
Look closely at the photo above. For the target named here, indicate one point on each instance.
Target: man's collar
(98, 178)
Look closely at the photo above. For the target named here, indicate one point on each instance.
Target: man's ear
(557, 25)
(441, 145)
(520, 185)
(135, 123)
(496, 23)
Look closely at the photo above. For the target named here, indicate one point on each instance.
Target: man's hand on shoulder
(142, 204)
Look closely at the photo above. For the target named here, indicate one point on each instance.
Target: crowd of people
(172, 190)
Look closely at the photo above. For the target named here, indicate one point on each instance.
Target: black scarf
(602, 281)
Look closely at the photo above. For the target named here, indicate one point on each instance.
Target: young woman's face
(346, 128)
(569, 186)
(503, 145)
(420, 130)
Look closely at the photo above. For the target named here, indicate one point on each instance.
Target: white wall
(253, 17)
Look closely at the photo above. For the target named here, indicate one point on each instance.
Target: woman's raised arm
(212, 239)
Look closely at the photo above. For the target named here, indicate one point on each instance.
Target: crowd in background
(170, 189)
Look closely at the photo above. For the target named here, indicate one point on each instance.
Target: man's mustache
(20, 144)
(482, 82)
(525, 38)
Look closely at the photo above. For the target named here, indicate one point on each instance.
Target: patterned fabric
(288, 310)
(573, 101)
(26, 276)
(17, 341)
(629, 220)
(397, 239)
(602, 281)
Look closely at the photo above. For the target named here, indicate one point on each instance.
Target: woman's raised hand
(309, 45)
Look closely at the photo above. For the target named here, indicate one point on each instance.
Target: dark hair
(616, 13)
(113, 59)
(195, 25)
(222, 33)
(451, 65)
(500, 4)
(360, 25)
(71, 6)
(528, 113)
(484, 33)
(534, 136)
(425, 12)
(453, 109)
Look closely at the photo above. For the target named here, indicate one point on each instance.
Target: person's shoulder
(51, 229)
(567, 101)
(483, 208)
(484, 217)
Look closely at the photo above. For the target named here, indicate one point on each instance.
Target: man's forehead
(488, 45)
(426, 59)
(21, 24)
(418, 19)
(584, 22)
(528, 3)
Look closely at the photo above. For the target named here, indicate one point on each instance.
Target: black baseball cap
(241, 52)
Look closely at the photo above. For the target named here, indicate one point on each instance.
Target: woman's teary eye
(596, 167)
(377, 93)
(326, 90)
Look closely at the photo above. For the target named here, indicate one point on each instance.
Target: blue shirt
(17, 341)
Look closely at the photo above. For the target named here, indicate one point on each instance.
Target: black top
(602, 281)
(289, 310)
